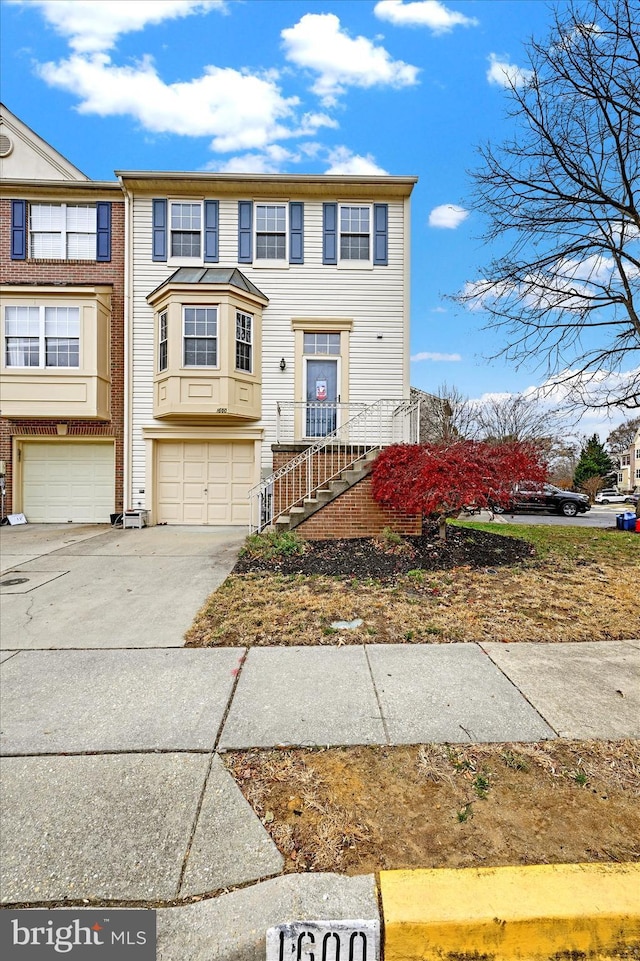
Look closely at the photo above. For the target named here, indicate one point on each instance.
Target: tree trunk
(442, 527)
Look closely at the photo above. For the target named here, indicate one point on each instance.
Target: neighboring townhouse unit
(61, 319)
(265, 311)
(629, 469)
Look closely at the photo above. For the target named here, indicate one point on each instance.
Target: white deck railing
(378, 425)
(298, 421)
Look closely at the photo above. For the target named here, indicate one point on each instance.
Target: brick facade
(356, 514)
(352, 514)
(46, 272)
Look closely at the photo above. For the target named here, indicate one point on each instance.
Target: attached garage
(204, 482)
(67, 481)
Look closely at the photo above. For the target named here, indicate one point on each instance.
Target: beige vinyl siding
(374, 298)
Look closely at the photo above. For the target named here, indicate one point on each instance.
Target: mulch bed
(377, 558)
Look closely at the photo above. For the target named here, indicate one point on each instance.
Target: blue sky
(406, 87)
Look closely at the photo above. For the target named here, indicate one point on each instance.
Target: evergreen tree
(594, 462)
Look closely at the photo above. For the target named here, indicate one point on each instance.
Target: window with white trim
(42, 336)
(163, 348)
(62, 231)
(244, 342)
(637, 473)
(271, 231)
(200, 336)
(355, 232)
(185, 225)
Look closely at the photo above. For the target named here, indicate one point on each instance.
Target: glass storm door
(322, 397)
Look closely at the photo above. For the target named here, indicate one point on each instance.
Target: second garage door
(204, 482)
(66, 481)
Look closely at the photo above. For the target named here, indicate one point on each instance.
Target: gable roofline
(186, 182)
(20, 129)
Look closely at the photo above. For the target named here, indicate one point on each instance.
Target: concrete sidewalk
(113, 788)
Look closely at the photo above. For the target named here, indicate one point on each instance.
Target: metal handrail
(385, 422)
(312, 419)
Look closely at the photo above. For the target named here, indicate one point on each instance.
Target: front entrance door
(322, 397)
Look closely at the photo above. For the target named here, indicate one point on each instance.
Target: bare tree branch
(564, 194)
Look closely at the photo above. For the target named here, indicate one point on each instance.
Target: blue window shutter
(103, 231)
(245, 231)
(296, 233)
(211, 213)
(380, 234)
(18, 229)
(159, 248)
(329, 233)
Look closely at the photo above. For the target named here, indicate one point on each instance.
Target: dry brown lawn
(582, 585)
(361, 809)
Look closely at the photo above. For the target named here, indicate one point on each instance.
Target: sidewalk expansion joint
(521, 693)
(375, 691)
(234, 687)
(194, 824)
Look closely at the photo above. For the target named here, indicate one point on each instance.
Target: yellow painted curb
(533, 912)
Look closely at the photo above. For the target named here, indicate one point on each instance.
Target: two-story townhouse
(61, 328)
(264, 310)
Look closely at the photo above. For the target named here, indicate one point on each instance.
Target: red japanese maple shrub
(438, 480)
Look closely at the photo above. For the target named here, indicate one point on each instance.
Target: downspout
(128, 344)
(406, 373)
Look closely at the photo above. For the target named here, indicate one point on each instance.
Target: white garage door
(67, 481)
(204, 482)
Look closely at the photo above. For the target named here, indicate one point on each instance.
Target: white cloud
(240, 110)
(505, 74)
(429, 355)
(270, 161)
(343, 161)
(449, 216)
(318, 43)
(95, 25)
(439, 310)
(422, 13)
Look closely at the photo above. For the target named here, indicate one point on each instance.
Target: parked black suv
(527, 496)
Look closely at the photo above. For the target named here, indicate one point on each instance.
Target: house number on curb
(324, 941)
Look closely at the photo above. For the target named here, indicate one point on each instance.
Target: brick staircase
(347, 479)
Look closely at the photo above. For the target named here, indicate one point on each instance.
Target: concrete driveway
(90, 586)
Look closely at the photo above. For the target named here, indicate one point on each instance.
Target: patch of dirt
(381, 559)
(361, 809)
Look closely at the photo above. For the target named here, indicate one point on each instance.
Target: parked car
(632, 498)
(527, 496)
(610, 496)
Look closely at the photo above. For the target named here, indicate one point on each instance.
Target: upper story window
(42, 336)
(48, 231)
(244, 342)
(163, 346)
(62, 231)
(355, 233)
(186, 229)
(200, 336)
(271, 231)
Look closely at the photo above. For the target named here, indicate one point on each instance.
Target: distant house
(629, 467)
(61, 320)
